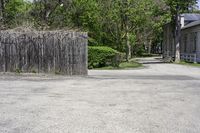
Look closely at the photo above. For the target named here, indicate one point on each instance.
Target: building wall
(198, 47)
(190, 41)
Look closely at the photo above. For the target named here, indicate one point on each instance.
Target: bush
(101, 56)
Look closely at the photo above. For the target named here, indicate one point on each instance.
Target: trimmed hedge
(101, 56)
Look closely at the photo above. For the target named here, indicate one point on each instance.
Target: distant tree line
(125, 25)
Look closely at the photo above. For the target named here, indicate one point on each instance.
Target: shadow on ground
(144, 77)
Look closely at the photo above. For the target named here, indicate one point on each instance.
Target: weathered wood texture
(43, 52)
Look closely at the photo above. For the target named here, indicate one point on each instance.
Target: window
(191, 43)
(195, 42)
(185, 43)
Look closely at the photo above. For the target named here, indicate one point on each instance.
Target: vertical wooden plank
(52, 51)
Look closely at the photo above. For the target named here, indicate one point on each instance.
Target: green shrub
(33, 71)
(18, 71)
(57, 73)
(101, 56)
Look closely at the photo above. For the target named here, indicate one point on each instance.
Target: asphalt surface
(159, 98)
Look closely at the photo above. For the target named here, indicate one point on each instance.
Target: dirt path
(160, 98)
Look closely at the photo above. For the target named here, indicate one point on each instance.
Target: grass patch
(124, 65)
(18, 71)
(189, 64)
(148, 55)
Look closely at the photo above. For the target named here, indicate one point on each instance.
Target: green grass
(124, 65)
(148, 55)
(189, 64)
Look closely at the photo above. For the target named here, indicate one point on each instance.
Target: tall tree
(121, 24)
(176, 8)
(2, 9)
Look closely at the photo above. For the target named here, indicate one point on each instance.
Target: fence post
(195, 58)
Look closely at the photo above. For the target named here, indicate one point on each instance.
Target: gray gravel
(160, 98)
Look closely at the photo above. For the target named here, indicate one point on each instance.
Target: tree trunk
(177, 37)
(2, 9)
(128, 46)
(149, 46)
(126, 27)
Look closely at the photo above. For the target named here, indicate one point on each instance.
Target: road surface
(159, 98)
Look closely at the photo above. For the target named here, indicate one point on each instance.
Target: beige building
(190, 39)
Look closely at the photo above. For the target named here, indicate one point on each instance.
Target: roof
(191, 16)
(195, 23)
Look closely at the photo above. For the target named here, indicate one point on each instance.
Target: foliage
(130, 64)
(148, 55)
(120, 23)
(182, 5)
(189, 64)
(123, 65)
(100, 56)
(15, 12)
(18, 71)
(124, 25)
(176, 8)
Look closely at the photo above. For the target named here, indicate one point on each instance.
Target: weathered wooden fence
(43, 51)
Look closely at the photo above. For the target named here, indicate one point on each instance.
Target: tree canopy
(125, 25)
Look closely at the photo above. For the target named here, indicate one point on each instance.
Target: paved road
(160, 98)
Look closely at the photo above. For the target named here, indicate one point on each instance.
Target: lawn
(124, 65)
(189, 64)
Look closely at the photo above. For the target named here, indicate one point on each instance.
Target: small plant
(57, 73)
(123, 65)
(189, 64)
(101, 56)
(33, 71)
(18, 71)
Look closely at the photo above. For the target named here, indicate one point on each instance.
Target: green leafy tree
(176, 8)
(124, 25)
(15, 12)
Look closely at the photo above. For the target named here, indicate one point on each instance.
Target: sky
(199, 3)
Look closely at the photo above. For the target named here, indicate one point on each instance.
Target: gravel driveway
(159, 98)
